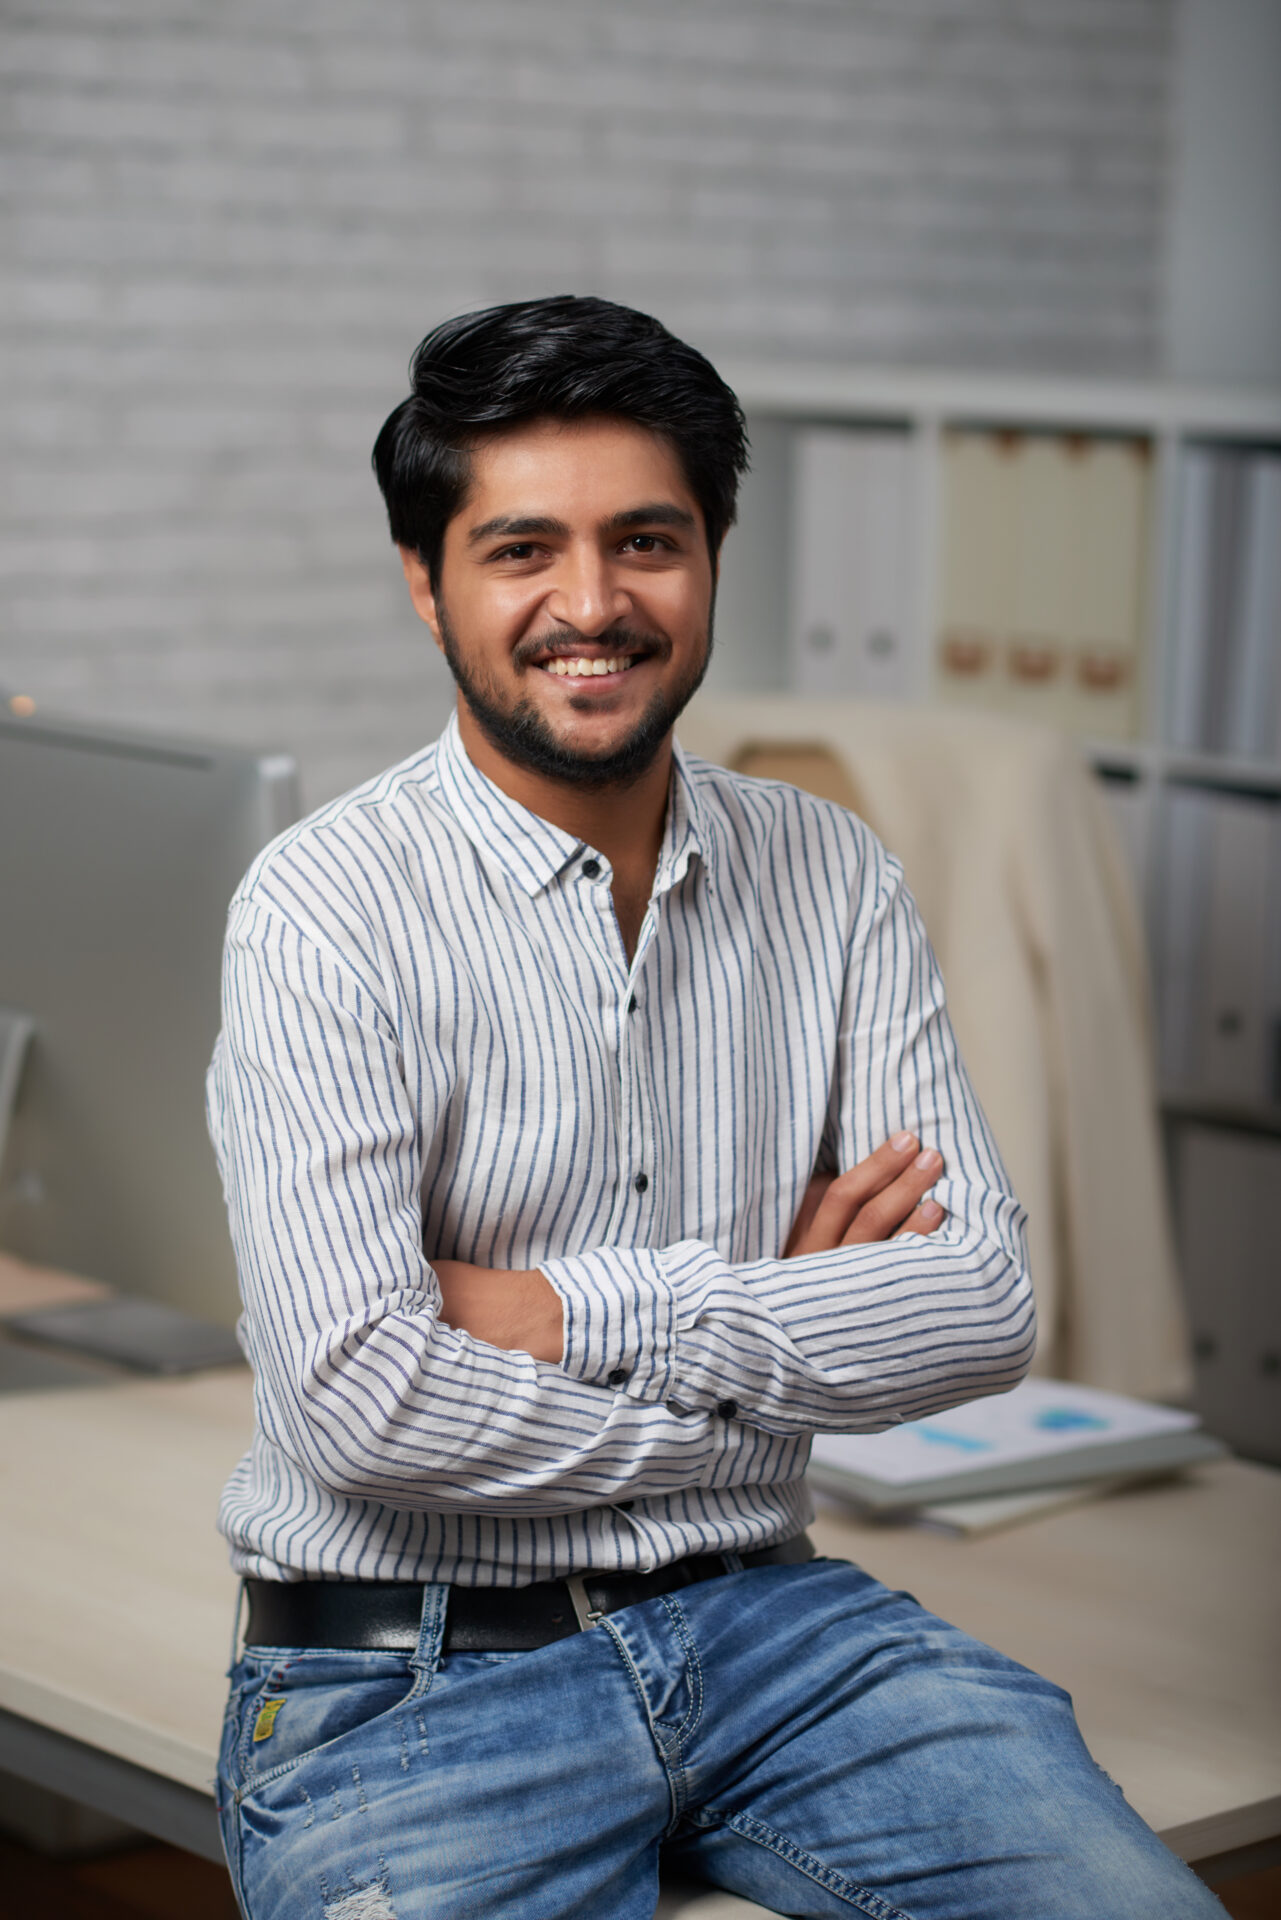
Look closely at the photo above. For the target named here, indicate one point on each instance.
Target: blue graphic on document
(948, 1437)
(1069, 1420)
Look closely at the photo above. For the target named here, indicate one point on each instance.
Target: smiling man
(593, 1133)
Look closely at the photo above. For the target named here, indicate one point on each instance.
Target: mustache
(565, 642)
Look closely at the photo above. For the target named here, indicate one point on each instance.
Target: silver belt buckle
(584, 1612)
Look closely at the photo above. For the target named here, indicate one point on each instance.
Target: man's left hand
(519, 1310)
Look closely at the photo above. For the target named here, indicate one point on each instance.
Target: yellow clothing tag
(266, 1721)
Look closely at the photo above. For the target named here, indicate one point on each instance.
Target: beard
(522, 735)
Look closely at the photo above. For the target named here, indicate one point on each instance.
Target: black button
(617, 1377)
(641, 1182)
(631, 1004)
(727, 1409)
(592, 869)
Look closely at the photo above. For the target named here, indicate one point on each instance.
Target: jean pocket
(286, 1702)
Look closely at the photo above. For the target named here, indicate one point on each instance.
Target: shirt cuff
(620, 1319)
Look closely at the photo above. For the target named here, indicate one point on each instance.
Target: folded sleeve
(863, 1336)
(358, 1380)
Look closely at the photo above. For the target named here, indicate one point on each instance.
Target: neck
(625, 823)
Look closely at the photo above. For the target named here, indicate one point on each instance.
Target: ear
(420, 591)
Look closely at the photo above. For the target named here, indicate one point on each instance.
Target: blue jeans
(799, 1735)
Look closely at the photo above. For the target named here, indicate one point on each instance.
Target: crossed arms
(882, 1197)
(619, 1371)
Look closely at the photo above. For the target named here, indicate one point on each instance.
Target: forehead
(580, 470)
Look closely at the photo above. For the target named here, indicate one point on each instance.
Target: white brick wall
(228, 222)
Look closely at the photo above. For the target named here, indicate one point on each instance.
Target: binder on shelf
(1254, 713)
(1222, 632)
(1233, 1051)
(975, 598)
(1109, 601)
(1045, 565)
(1225, 680)
(1219, 983)
(1190, 594)
(853, 624)
(1181, 976)
(1044, 554)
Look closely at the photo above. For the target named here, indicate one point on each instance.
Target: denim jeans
(799, 1735)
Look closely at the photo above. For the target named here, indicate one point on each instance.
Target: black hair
(564, 358)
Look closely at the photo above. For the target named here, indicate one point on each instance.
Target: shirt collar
(687, 832)
(530, 849)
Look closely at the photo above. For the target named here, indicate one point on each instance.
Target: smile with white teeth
(578, 667)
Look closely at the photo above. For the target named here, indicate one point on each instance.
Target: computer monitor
(119, 852)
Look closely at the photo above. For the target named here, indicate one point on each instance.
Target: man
(593, 1132)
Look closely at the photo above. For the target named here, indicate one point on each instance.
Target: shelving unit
(770, 587)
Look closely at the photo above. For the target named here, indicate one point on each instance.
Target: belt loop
(431, 1634)
(237, 1647)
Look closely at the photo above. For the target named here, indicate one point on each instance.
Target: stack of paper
(1225, 688)
(1046, 1443)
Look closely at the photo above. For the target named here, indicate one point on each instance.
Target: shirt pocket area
(287, 1702)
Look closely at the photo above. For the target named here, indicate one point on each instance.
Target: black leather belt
(384, 1615)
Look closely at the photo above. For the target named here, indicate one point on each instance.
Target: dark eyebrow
(661, 514)
(515, 527)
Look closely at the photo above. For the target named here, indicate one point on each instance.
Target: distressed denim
(801, 1736)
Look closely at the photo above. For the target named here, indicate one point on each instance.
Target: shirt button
(631, 1004)
(617, 1377)
(592, 869)
(641, 1182)
(727, 1409)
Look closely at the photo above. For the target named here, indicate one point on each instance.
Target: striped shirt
(433, 1044)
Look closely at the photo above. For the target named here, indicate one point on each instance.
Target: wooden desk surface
(1156, 1609)
(117, 1601)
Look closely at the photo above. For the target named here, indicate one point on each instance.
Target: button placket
(594, 879)
(589, 892)
(636, 1171)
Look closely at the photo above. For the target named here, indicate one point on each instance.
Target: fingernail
(902, 1141)
(931, 1211)
(929, 1158)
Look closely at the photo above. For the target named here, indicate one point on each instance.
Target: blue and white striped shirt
(433, 1044)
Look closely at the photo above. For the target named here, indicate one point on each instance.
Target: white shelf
(1188, 1103)
(1148, 760)
(850, 393)
(758, 610)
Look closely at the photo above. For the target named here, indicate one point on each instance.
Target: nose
(586, 593)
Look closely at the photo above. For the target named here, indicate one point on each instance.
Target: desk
(1156, 1609)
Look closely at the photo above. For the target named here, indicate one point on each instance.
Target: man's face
(575, 597)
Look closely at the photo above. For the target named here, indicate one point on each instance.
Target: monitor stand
(16, 1030)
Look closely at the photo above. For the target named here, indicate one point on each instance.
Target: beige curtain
(1013, 859)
